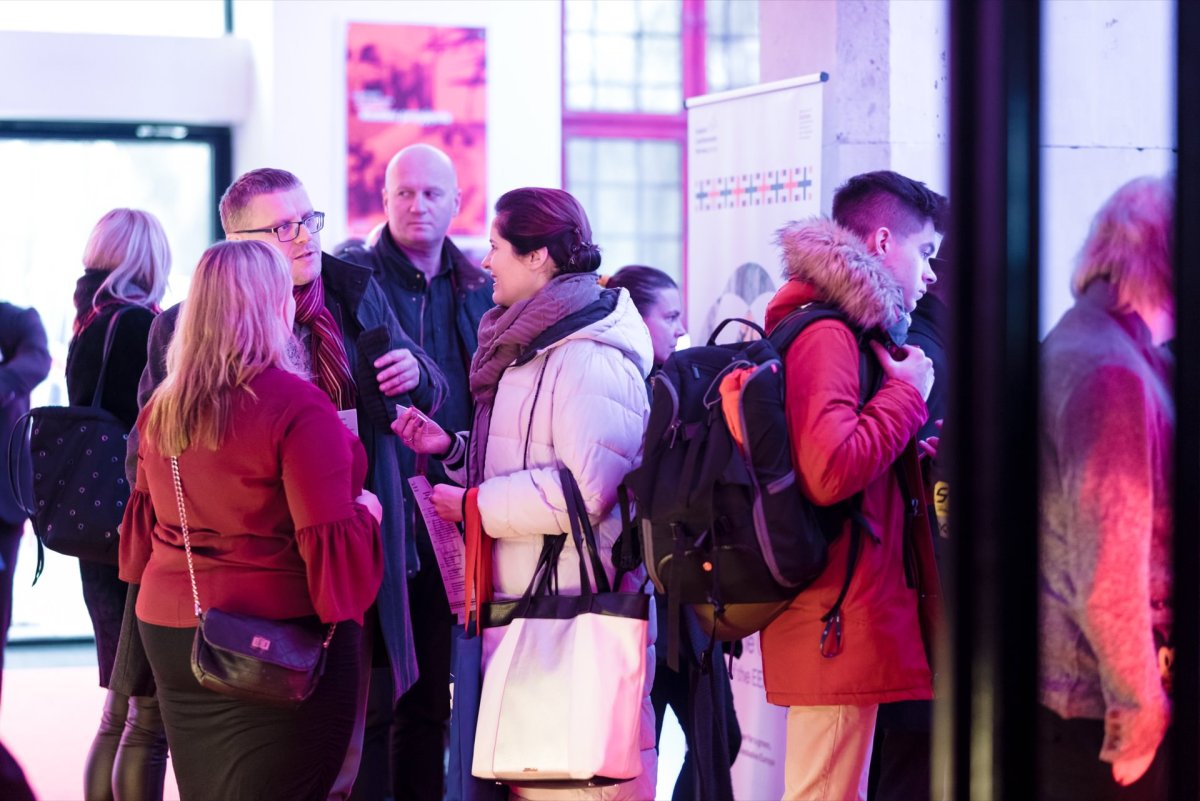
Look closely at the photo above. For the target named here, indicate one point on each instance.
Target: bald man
(438, 296)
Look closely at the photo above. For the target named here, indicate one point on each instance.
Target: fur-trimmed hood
(835, 266)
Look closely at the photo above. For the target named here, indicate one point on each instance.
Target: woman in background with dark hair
(656, 296)
(702, 701)
(126, 263)
(558, 381)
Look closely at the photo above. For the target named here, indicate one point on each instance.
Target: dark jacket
(358, 305)
(24, 363)
(103, 592)
(442, 315)
(929, 329)
(125, 362)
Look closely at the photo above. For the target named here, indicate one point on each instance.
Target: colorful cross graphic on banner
(787, 185)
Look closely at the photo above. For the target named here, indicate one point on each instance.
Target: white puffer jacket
(580, 403)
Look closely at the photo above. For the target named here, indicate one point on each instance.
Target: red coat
(839, 452)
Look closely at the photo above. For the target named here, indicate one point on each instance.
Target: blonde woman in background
(126, 262)
(279, 528)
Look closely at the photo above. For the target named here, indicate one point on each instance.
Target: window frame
(635, 125)
(219, 138)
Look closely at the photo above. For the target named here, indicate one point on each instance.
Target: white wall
(108, 78)
(297, 119)
(281, 83)
(1108, 115)
(919, 113)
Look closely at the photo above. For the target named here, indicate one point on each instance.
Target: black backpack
(723, 528)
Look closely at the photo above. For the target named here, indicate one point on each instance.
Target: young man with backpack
(833, 668)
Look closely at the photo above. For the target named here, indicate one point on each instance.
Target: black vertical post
(988, 679)
(1185, 766)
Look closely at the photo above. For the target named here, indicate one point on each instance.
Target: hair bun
(585, 258)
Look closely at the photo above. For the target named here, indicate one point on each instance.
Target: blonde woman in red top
(279, 525)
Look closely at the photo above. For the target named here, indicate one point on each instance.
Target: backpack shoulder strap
(870, 374)
(786, 331)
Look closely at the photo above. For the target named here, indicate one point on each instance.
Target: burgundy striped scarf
(330, 364)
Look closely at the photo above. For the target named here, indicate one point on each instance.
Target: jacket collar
(345, 281)
(833, 264)
(464, 275)
(1101, 296)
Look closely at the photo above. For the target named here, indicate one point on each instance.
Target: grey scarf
(505, 332)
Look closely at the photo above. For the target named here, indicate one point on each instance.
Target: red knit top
(274, 527)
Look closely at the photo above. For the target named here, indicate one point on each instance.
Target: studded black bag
(79, 489)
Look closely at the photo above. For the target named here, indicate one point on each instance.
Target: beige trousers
(828, 752)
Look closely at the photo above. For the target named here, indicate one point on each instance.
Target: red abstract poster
(407, 84)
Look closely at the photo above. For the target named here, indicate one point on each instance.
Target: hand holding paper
(419, 432)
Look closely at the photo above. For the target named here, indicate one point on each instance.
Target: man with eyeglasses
(356, 351)
(438, 295)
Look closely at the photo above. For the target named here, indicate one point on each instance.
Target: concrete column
(885, 102)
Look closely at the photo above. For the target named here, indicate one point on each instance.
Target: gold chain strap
(187, 546)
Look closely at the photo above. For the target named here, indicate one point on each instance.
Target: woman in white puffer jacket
(558, 381)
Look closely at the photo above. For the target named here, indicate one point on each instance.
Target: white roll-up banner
(754, 164)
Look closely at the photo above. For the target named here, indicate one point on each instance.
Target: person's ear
(881, 240)
(457, 202)
(537, 259)
(384, 193)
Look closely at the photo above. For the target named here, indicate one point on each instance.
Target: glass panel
(658, 16)
(615, 61)
(631, 189)
(632, 61)
(130, 17)
(731, 44)
(59, 190)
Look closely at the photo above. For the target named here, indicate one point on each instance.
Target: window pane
(631, 189)
(130, 17)
(731, 44)
(632, 57)
(57, 191)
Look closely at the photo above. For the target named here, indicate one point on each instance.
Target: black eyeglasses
(290, 230)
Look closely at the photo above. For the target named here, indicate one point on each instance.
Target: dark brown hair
(886, 198)
(643, 284)
(533, 217)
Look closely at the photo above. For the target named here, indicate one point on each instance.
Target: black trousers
(225, 749)
(128, 757)
(1070, 766)
(419, 723)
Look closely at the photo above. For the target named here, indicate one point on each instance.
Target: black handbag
(78, 467)
(274, 662)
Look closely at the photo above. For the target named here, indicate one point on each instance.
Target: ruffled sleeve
(137, 528)
(344, 564)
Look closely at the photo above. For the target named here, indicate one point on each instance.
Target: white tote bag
(563, 676)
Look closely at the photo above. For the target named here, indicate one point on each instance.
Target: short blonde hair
(131, 246)
(231, 328)
(1130, 244)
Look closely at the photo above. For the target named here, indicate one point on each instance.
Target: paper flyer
(447, 546)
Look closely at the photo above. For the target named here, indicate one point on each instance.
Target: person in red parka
(872, 262)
